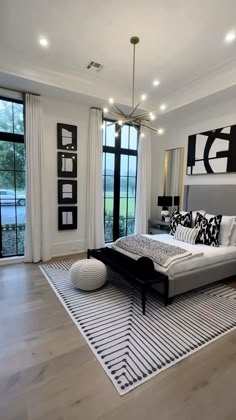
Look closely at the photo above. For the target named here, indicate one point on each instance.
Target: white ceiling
(182, 44)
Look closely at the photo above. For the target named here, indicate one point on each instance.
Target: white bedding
(202, 255)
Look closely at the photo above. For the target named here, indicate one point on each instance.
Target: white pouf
(88, 274)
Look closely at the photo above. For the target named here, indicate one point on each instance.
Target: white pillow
(226, 228)
(194, 214)
(232, 240)
(186, 234)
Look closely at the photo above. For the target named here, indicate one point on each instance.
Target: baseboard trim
(11, 260)
(64, 254)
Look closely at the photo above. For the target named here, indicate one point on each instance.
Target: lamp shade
(164, 201)
(176, 200)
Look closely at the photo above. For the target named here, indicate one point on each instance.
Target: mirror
(173, 172)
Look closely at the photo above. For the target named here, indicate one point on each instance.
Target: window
(119, 179)
(12, 178)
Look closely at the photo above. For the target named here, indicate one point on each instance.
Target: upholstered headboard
(215, 199)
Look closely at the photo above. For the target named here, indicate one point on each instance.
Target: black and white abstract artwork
(212, 152)
(66, 137)
(67, 218)
(67, 191)
(66, 165)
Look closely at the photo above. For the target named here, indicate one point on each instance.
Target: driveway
(8, 215)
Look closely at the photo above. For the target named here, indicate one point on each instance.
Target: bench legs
(143, 297)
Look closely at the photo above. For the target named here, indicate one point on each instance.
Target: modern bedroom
(117, 210)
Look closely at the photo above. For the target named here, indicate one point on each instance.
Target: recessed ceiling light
(156, 82)
(43, 42)
(230, 37)
(163, 107)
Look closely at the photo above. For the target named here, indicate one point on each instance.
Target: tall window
(119, 179)
(12, 178)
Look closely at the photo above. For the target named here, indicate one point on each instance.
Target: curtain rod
(19, 91)
(95, 107)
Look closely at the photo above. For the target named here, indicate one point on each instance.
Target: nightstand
(158, 226)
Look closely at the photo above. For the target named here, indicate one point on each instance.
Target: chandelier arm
(150, 127)
(130, 115)
(146, 113)
(121, 112)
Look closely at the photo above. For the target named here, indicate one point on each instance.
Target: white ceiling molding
(182, 45)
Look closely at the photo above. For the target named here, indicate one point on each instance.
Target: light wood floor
(47, 371)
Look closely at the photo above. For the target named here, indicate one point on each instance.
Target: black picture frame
(67, 191)
(67, 217)
(66, 165)
(66, 137)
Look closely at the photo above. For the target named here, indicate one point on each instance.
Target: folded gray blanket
(161, 253)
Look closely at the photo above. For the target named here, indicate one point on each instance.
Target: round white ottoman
(88, 274)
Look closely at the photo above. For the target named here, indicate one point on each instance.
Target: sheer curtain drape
(37, 207)
(95, 207)
(143, 194)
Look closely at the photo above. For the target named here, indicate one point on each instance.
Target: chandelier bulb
(143, 97)
(116, 134)
(111, 100)
(120, 122)
(142, 135)
(105, 110)
(160, 131)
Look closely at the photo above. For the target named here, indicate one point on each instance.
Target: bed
(210, 264)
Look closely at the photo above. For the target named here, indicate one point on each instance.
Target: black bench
(140, 272)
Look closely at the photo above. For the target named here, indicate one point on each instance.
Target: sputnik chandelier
(135, 117)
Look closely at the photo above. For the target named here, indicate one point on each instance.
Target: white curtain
(95, 207)
(143, 195)
(37, 204)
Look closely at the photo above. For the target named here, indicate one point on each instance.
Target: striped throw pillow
(186, 234)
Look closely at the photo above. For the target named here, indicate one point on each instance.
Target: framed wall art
(212, 152)
(66, 165)
(67, 191)
(66, 137)
(67, 217)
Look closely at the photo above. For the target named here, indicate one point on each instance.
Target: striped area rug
(133, 348)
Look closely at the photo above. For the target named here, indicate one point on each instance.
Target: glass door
(119, 179)
(12, 178)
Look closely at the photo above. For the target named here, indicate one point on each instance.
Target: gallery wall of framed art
(66, 173)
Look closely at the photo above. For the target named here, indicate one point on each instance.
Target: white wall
(71, 241)
(213, 112)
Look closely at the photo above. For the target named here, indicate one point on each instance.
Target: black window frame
(14, 138)
(117, 150)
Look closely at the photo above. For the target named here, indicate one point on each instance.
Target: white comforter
(201, 255)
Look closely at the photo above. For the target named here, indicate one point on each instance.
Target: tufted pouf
(88, 274)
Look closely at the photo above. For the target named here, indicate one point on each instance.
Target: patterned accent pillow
(179, 219)
(186, 234)
(209, 229)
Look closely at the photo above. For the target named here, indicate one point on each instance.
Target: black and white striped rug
(133, 348)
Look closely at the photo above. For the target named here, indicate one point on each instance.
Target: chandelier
(136, 117)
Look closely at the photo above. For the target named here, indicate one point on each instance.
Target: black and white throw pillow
(178, 218)
(209, 229)
(186, 234)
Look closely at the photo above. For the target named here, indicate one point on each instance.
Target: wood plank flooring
(47, 371)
